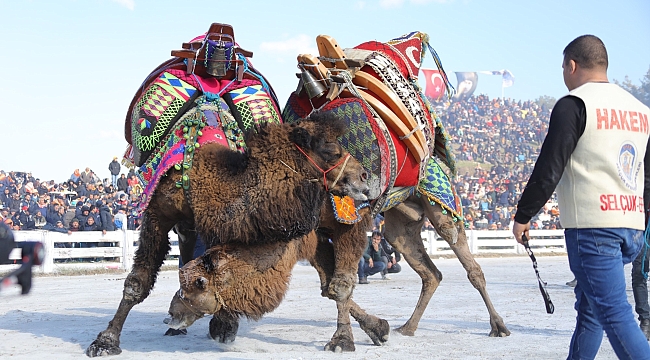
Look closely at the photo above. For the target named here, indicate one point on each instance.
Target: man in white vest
(595, 154)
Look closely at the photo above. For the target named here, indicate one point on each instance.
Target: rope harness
(343, 161)
(195, 311)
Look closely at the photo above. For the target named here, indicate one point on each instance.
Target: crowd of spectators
(83, 202)
(502, 137)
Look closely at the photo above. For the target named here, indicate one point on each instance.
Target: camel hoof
(174, 332)
(405, 331)
(98, 349)
(501, 332)
(379, 333)
(223, 331)
(340, 344)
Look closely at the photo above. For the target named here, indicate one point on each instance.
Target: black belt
(542, 285)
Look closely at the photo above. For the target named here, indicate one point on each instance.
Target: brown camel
(272, 193)
(235, 280)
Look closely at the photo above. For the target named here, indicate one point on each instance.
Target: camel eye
(331, 152)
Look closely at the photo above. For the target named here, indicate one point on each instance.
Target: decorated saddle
(207, 93)
(393, 130)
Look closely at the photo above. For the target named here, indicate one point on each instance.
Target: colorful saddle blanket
(177, 112)
(377, 146)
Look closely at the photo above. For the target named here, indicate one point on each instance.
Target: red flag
(435, 85)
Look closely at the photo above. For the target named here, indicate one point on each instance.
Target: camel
(235, 280)
(272, 193)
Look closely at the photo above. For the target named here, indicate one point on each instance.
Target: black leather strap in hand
(542, 285)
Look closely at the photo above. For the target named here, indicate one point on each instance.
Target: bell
(217, 62)
(313, 87)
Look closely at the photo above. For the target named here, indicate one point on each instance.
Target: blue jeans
(114, 180)
(640, 284)
(365, 269)
(596, 258)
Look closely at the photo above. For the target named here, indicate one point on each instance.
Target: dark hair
(377, 233)
(588, 51)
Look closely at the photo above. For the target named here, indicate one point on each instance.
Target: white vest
(602, 183)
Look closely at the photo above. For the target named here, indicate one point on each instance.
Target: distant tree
(641, 92)
(545, 101)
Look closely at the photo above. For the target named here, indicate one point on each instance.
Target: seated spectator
(39, 220)
(74, 225)
(121, 220)
(393, 257)
(122, 183)
(91, 225)
(371, 262)
(9, 222)
(105, 217)
(26, 219)
(58, 227)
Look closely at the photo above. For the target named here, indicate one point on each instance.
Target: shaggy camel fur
(403, 225)
(272, 193)
(237, 280)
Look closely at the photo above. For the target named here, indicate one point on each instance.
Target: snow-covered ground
(63, 315)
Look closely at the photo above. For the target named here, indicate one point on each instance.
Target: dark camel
(272, 193)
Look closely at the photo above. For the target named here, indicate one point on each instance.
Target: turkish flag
(435, 85)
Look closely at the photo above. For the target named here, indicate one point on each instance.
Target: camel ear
(301, 137)
(201, 283)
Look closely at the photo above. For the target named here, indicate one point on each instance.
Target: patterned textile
(156, 111)
(401, 69)
(437, 187)
(397, 196)
(253, 107)
(345, 210)
(211, 120)
(364, 141)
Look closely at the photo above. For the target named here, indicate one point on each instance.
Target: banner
(508, 78)
(435, 85)
(467, 82)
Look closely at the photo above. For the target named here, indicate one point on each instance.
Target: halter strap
(345, 159)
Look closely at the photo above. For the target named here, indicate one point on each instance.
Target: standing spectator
(600, 238)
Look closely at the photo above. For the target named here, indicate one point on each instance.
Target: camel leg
(376, 328)
(342, 340)
(154, 246)
(349, 242)
(224, 326)
(403, 233)
(323, 261)
(445, 226)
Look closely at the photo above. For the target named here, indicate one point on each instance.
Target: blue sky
(71, 67)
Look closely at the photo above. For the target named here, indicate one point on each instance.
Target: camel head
(198, 294)
(317, 138)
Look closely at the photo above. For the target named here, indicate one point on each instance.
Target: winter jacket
(114, 167)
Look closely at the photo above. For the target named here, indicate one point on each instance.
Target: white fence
(120, 246)
(498, 241)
